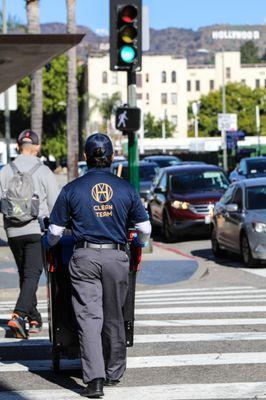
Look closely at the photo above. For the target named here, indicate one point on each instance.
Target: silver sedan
(239, 221)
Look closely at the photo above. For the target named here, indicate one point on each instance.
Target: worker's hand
(45, 242)
(137, 243)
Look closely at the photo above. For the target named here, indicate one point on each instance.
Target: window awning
(22, 54)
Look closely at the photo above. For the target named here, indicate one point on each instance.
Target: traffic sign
(227, 122)
(127, 119)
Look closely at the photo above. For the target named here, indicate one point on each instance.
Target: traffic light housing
(125, 35)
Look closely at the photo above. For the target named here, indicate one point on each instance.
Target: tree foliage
(107, 106)
(153, 127)
(240, 99)
(249, 53)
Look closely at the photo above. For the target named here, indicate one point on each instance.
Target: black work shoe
(19, 327)
(94, 390)
(110, 382)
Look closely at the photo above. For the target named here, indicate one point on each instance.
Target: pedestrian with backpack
(28, 191)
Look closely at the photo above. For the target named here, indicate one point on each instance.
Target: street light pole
(6, 99)
(224, 141)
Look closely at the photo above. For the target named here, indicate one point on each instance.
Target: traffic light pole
(133, 154)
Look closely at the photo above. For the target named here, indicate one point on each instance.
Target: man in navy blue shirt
(101, 207)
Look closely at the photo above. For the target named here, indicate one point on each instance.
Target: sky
(163, 13)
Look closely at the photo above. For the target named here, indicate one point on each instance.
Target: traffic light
(125, 35)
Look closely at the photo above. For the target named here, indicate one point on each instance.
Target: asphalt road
(202, 337)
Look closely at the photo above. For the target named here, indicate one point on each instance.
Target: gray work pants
(99, 279)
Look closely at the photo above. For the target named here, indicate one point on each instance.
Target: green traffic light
(127, 54)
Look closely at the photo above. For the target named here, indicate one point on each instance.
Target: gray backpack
(20, 204)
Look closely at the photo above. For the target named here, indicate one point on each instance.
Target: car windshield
(256, 167)
(256, 198)
(146, 172)
(166, 163)
(191, 181)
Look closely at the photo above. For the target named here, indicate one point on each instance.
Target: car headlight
(259, 227)
(180, 205)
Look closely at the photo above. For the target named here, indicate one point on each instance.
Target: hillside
(177, 41)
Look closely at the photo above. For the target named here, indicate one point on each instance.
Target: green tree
(240, 99)
(107, 106)
(249, 53)
(153, 128)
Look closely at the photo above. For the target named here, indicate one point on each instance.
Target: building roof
(22, 54)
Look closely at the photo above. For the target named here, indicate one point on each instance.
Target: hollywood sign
(242, 35)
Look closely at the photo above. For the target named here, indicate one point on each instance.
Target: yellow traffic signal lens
(128, 14)
(128, 34)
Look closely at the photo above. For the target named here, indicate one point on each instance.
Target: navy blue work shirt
(100, 207)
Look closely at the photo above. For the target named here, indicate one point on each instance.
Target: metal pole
(224, 141)
(196, 126)
(258, 129)
(133, 154)
(7, 112)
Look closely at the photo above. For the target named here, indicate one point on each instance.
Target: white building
(166, 85)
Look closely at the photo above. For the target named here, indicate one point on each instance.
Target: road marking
(197, 294)
(8, 316)
(156, 338)
(202, 297)
(4, 327)
(180, 360)
(201, 322)
(256, 271)
(207, 391)
(199, 301)
(13, 303)
(199, 310)
(193, 290)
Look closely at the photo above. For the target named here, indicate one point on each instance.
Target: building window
(174, 98)
(257, 83)
(228, 73)
(211, 84)
(197, 86)
(173, 77)
(174, 120)
(164, 98)
(189, 86)
(104, 96)
(163, 77)
(147, 98)
(114, 78)
(147, 77)
(139, 80)
(139, 96)
(104, 77)
(243, 81)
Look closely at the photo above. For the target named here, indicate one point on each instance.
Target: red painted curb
(174, 250)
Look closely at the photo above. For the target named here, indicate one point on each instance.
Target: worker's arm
(59, 219)
(140, 218)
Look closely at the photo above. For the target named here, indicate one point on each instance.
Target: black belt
(111, 246)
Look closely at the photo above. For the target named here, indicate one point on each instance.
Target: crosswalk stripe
(194, 290)
(156, 338)
(13, 303)
(214, 391)
(7, 316)
(4, 327)
(199, 310)
(209, 297)
(201, 322)
(157, 303)
(180, 360)
(151, 294)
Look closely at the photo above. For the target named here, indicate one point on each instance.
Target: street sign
(12, 99)
(127, 119)
(227, 122)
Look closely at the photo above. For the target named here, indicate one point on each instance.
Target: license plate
(207, 219)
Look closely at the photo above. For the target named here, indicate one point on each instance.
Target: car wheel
(246, 252)
(216, 249)
(166, 229)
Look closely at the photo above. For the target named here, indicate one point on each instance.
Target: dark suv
(184, 196)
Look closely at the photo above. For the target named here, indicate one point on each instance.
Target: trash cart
(61, 318)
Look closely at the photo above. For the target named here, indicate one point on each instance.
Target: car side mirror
(232, 207)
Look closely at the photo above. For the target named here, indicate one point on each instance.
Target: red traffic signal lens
(128, 34)
(128, 14)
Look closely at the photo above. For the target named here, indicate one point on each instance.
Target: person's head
(99, 151)
(28, 143)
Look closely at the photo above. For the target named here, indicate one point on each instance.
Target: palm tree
(72, 98)
(33, 16)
